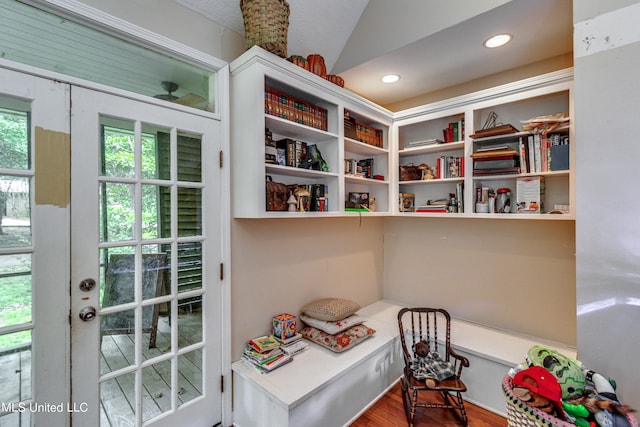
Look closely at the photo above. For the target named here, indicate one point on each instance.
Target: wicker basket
(266, 24)
(519, 414)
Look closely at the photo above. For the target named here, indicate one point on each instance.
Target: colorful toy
(284, 326)
(567, 371)
(540, 389)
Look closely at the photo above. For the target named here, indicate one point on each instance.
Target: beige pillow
(330, 309)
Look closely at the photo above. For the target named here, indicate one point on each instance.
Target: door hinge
(69, 317)
(221, 271)
(221, 383)
(221, 158)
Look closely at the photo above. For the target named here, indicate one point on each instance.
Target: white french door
(34, 250)
(145, 251)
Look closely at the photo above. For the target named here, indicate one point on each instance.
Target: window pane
(151, 195)
(190, 378)
(189, 211)
(189, 266)
(189, 158)
(15, 367)
(117, 348)
(14, 137)
(118, 285)
(156, 396)
(15, 289)
(15, 211)
(117, 215)
(118, 149)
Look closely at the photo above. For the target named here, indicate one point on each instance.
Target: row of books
(362, 132)
(267, 353)
(454, 131)
(543, 153)
(449, 167)
(280, 104)
(363, 167)
(297, 154)
(312, 197)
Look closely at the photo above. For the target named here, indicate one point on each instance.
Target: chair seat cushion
(452, 384)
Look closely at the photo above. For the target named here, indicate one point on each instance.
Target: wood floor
(389, 412)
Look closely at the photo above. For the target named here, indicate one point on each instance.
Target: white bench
(322, 388)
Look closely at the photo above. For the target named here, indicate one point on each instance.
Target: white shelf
(512, 103)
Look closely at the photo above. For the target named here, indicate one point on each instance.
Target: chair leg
(407, 402)
(457, 403)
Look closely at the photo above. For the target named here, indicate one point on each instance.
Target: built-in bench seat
(322, 388)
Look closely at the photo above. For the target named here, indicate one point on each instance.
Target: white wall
(607, 105)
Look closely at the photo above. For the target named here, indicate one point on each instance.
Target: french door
(145, 251)
(34, 250)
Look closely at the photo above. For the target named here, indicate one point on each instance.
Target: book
(530, 195)
(264, 343)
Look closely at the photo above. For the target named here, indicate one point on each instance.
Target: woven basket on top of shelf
(519, 414)
(266, 24)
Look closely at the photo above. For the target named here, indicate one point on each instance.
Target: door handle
(87, 314)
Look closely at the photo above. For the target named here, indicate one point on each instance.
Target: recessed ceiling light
(390, 78)
(497, 40)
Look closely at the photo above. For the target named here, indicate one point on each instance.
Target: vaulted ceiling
(431, 44)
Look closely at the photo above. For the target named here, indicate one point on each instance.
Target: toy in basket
(554, 390)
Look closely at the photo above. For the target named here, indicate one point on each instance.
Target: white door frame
(84, 13)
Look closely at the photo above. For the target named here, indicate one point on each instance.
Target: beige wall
(278, 265)
(509, 274)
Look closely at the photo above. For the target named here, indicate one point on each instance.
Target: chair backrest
(432, 325)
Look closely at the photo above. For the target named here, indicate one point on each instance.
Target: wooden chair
(432, 325)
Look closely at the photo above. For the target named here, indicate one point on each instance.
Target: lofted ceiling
(431, 44)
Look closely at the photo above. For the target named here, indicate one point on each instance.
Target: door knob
(87, 314)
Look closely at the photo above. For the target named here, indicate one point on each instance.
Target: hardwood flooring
(389, 412)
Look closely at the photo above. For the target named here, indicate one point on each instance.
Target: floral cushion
(341, 341)
(333, 327)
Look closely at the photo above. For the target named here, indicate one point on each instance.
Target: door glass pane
(118, 149)
(14, 135)
(152, 197)
(117, 349)
(15, 364)
(157, 340)
(117, 401)
(189, 266)
(15, 289)
(189, 158)
(156, 397)
(117, 214)
(15, 211)
(189, 211)
(189, 322)
(118, 286)
(190, 378)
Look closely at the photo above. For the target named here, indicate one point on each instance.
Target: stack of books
(265, 354)
(294, 345)
(496, 160)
